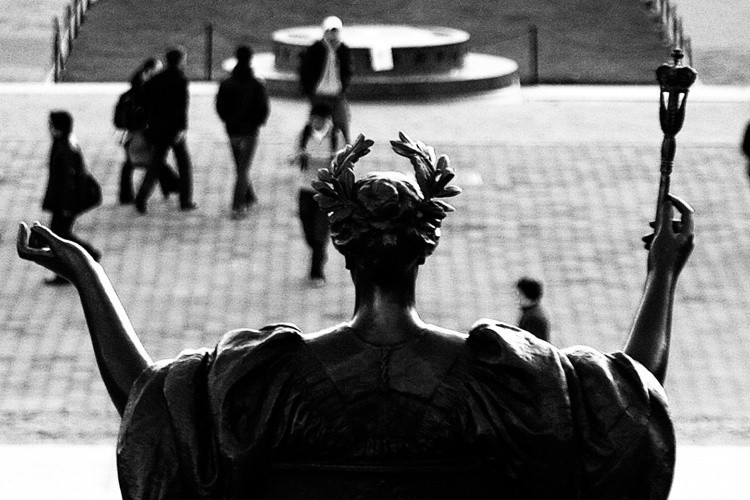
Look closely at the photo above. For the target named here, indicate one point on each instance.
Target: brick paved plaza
(546, 193)
(557, 183)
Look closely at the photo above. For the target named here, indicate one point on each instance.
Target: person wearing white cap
(325, 72)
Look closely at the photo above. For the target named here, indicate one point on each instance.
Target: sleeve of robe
(608, 406)
(168, 444)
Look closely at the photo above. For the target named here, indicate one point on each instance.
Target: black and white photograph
(375, 250)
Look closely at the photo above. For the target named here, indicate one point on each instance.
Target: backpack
(128, 113)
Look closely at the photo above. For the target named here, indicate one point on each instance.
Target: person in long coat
(66, 164)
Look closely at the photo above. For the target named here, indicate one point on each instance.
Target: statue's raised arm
(672, 241)
(119, 353)
(669, 249)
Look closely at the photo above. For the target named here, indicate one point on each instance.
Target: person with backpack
(62, 197)
(242, 104)
(166, 99)
(130, 116)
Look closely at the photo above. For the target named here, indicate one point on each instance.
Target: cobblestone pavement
(561, 189)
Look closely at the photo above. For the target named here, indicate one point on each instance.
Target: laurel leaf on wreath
(325, 175)
(449, 191)
(445, 206)
(346, 180)
(324, 188)
(443, 163)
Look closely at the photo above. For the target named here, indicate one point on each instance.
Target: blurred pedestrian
(325, 73)
(242, 104)
(317, 146)
(66, 169)
(130, 116)
(166, 100)
(533, 317)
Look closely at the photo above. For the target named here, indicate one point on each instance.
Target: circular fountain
(391, 61)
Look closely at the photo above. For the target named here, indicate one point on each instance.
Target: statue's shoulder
(270, 335)
(495, 342)
(241, 350)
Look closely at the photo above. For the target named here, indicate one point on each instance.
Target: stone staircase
(591, 41)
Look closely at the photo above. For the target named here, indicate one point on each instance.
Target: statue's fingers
(23, 245)
(22, 240)
(666, 211)
(44, 233)
(686, 211)
(680, 204)
(647, 240)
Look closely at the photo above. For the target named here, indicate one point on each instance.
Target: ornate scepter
(674, 81)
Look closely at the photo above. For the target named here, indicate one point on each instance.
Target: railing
(63, 34)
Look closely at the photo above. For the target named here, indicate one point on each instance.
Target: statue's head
(385, 222)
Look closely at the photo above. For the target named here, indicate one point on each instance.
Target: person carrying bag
(71, 187)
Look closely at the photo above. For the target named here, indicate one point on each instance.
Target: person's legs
(161, 150)
(320, 247)
(307, 207)
(250, 197)
(62, 225)
(315, 228)
(126, 194)
(169, 181)
(243, 151)
(341, 116)
(185, 169)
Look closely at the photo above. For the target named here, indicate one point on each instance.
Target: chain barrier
(672, 28)
(663, 11)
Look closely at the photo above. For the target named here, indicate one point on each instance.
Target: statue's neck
(386, 313)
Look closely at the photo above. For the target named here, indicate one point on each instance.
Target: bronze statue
(269, 412)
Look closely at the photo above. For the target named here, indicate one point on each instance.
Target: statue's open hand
(671, 243)
(39, 244)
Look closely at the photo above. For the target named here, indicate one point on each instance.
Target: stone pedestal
(392, 62)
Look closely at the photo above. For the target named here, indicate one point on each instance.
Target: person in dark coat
(166, 99)
(65, 164)
(533, 318)
(242, 104)
(134, 142)
(325, 72)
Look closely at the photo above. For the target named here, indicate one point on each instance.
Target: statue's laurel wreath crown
(336, 184)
